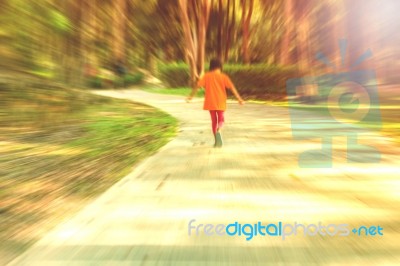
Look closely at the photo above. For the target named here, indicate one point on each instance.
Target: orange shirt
(215, 84)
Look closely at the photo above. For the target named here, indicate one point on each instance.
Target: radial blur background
(61, 145)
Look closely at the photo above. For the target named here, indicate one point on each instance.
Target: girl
(215, 84)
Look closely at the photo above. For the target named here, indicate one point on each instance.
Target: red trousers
(217, 119)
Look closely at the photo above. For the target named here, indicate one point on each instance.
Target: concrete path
(143, 219)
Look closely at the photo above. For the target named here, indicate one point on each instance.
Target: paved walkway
(143, 219)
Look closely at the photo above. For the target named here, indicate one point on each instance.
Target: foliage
(63, 36)
(60, 22)
(174, 75)
(100, 81)
(258, 79)
(94, 82)
(133, 79)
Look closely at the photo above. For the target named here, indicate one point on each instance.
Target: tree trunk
(190, 52)
(246, 18)
(195, 34)
(287, 37)
(205, 13)
(86, 38)
(73, 68)
(229, 28)
(119, 30)
(220, 26)
(303, 45)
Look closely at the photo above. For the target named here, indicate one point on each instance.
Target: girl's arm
(193, 93)
(235, 92)
(195, 88)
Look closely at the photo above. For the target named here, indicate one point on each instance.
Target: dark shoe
(218, 140)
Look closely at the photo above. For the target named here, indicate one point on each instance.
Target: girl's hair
(215, 64)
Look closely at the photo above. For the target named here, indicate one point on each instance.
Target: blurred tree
(303, 36)
(88, 36)
(194, 30)
(119, 30)
(60, 39)
(220, 29)
(288, 20)
(230, 20)
(73, 65)
(247, 12)
(160, 37)
(267, 32)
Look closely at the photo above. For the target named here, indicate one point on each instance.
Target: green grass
(65, 146)
(42, 73)
(174, 91)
